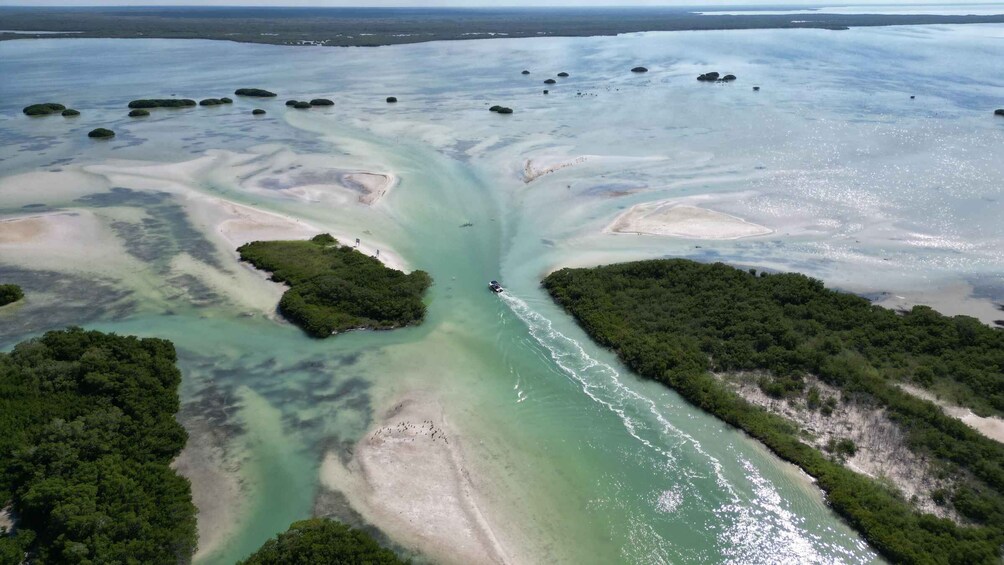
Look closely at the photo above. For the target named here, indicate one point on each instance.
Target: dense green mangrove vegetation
(87, 435)
(10, 293)
(101, 133)
(70, 113)
(254, 92)
(676, 321)
(43, 109)
(335, 288)
(163, 103)
(139, 113)
(322, 542)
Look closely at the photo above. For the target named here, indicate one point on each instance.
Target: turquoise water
(579, 461)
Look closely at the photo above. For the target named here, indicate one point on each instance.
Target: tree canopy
(87, 435)
(322, 542)
(676, 320)
(10, 293)
(335, 288)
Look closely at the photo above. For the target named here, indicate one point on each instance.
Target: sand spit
(372, 186)
(954, 300)
(277, 171)
(533, 171)
(545, 164)
(672, 219)
(216, 491)
(882, 450)
(990, 427)
(230, 223)
(65, 241)
(408, 476)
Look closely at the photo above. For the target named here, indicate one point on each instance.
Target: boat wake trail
(641, 416)
(754, 508)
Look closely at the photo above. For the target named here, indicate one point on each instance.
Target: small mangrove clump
(495, 108)
(756, 89)
(139, 113)
(547, 91)
(302, 105)
(70, 113)
(291, 102)
(258, 112)
(210, 102)
(43, 109)
(639, 70)
(391, 99)
(10, 293)
(162, 103)
(999, 112)
(550, 81)
(321, 102)
(335, 288)
(101, 133)
(525, 72)
(257, 92)
(714, 77)
(226, 100)
(562, 74)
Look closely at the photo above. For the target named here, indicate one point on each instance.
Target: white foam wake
(644, 420)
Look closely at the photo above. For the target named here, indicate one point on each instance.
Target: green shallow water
(600, 467)
(580, 461)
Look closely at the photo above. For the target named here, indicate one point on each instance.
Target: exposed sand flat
(230, 223)
(534, 169)
(240, 224)
(372, 185)
(73, 240)
(216, 492)
(882, 450)
(545, 164)
(952, 300)
(408, 476)
(668, 218)
(991, 427)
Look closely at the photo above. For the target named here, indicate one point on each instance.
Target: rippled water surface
(861, 186)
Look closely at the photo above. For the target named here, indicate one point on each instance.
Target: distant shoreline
(370, 27)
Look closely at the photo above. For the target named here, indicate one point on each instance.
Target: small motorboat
(495, 287)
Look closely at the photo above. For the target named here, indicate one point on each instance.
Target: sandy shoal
(671, 219)
(216, 492)
(410, 478)
(952, 300)
(231, 223)
(74, 240)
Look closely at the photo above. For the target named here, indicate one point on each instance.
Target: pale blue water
(862, 186)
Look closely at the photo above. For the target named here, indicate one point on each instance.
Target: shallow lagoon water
(579, 461)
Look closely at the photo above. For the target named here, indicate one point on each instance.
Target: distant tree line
(676, 320)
